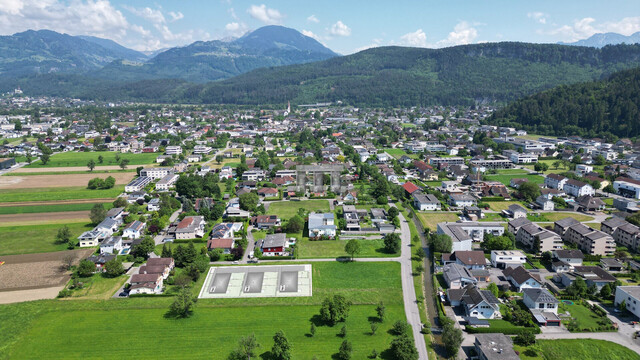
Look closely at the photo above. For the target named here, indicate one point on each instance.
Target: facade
(274, 245)
(543, 306)
(190, 227)
(630, 295)
(321, 225)
(507, 258)
(173, 150)
(463, 234)
(590, 241)
(462, 200)
(538, 238)
(627, 187)
(111, 245)
(166, 182)
(254, 174)
(137, 184)
(457, 276)
(521, 278)
(578, 188)
(133, 230)
(146, 284)
(555, 181)
(426, 202)
(156, 173)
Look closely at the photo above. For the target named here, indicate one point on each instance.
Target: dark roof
(540, 295)
(520, 274)
(566, 222)
(470, 257)
(569, 254)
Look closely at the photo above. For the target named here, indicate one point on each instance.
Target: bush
(507, 330)
(400, 328)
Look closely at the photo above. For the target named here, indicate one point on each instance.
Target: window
(541, 306)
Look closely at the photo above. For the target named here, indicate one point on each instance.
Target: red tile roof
(410, 187)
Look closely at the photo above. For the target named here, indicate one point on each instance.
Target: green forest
(592, 109)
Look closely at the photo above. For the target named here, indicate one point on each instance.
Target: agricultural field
(38, 181)
(80, 159)
(576, 349)
(43, 329)
(335, 248)
(63, 217)
(287, 209)
(50, 208)
(59, 193)
(28, 239)
(431, 219)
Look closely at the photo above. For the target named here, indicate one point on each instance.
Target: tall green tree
(352, 248)
(281, 349)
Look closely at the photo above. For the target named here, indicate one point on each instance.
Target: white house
(631, 297)
(507, 258)
(425, 202)
(321, 225)
(146, 284)
(543, 306)
(477, 303)
(555, 181)
(111, 245)
(457, 276)
(521, 278)
(578, 188)
(133, 230)
(627, 187)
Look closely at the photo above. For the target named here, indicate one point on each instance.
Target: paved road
(172, 218)
(251, 244)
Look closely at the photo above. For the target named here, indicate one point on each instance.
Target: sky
(344, 26)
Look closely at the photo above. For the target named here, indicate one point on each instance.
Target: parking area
(257, 281)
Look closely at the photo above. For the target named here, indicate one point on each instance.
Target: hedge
(503, 330)
(492, 199)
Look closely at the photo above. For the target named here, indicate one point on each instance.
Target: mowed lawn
(5, 210)
(335, 248)
(68, 159)
(35, 238)
(506, 179)
(58, 193)
(555, 216)
(287, 209)
(578, 349)
(96, 327)
(431, 219)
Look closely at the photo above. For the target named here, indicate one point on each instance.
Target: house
(610, 264)
(507, 258)
(555, 181)
(321, 225)
(477, 303)
(166, 263)
(464, 233)
(137, 184)
(457, 276)
(590, 203)
(494, 346)
(474, 213)
(424, 202)
(112, 245)
(265, 221)
(91, 238)
(538, 238)
(521, 278)
(134, 230)
(146, 284)
(545, 204)
(462, 200)
(100, 260)
(225, 244)
(630, 295)
(166, 182)
(569, 257)
(254, 174)
(153, 204)
(156, 173)
(274, 245)
(469, 259)
(268, 192)
(108, 225)
(516, 182)
(351, 196)
(577, 188)
(222, 230)
(516, 211)
(190, 227)
(591, 275)
(543, 306)
(514, 225)
(410, 187)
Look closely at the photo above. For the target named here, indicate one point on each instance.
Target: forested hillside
(590, 109)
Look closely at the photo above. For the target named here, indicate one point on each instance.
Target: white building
(627, 187)
(156, 173)
(578, 188)
(173, 150)
(507, 258)
(631, 296)
(137, 184)
(166, 182)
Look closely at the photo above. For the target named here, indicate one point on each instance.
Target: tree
(556, 164)
(352, 248)
(281, 349)
(605, 292)
(91, 165)
(86, 268)
(451, 338)
(247, 347)
(334, 309)
(183, 303)
(64, 235)
(312, 330)
(403, 347)
(97, 214)
(343, 331)
(529, 191)
(441, 242)
(344, 353)
(218, 159)
(393, 212)
(146, 246)
(578, 287)
(381, 311)
(120, 202)
(295, 224)
(623, 305)
(525, 338)
(392, 243)
(123, 163)
(44, 158)
(494, 289)
(374, 328)
(609, 189)
(400, 327)
(29, 157)
(68, 260)
(113, 268)
(100, 159)
(166, 251)
(249, 201)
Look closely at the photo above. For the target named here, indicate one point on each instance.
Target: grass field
(43, 329)
(35, 238)
(82, 158)
(287, 209)
(506, 179)
(4, 210)
(555, 216)
(502, 205)
(577, 349)
(431, 220)
(95, 171)
(98, 287)
(586, 318)
(59, 193)
(335, 248)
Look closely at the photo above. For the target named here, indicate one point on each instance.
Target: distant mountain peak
(276, 36)
(603, 39)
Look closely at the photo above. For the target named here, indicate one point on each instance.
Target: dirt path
(56, 202)
(40, 218)
(41, 181)
(64, 168)
(8, 297)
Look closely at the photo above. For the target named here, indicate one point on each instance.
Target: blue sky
(344, 26)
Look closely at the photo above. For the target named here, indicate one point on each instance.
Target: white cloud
(232, 12)
(415, 39)
(266, 15)
(538, 16)
(313, 19)
(152, 15)
(586, 27)
(310, 34)
(236, 29)
(463, 33)
(175, 16)
(12, 7)
(340, 29)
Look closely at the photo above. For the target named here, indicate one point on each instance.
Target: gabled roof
(540, 295)
(566, 222)
(470, 257)
(455, 271)
(520, 274)
(410, 187)
(569, 254)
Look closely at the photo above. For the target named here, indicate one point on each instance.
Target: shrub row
(503, 330)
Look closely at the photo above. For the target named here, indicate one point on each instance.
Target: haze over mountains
(601, 40)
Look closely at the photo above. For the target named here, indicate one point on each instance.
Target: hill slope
(604, 39)
(598, 108)
(205, 61)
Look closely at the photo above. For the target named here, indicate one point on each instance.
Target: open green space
(43, 329)
(506, 179)
(431, 219)
(5, 210)
(35, 238)
(323, 249)
(576, 349)
(555, 216)
(98, 286)
(58, 193)
(287, 209)
(82, 158)
(95, 171)
(585, 317)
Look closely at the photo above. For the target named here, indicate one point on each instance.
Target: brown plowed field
(41, 218)
(40, 181)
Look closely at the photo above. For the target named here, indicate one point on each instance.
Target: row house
(623, 232)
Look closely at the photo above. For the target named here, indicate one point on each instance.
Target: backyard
(68, 159)
(335, 248)
(576, 349)
(431, 219)
(287, 209)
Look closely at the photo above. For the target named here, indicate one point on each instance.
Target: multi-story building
(627, 187)
(463, 234)
(555, 181)
(137, 184)
(623, 232)
(436, 161)
(630, 295)
(590, 241)
(156, 173)
(173, 150)
(166, 182)
(532, 234)
(578, 188)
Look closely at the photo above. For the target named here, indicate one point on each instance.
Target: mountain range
(604, 39)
